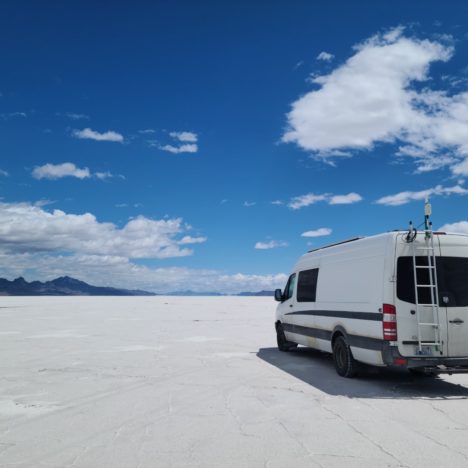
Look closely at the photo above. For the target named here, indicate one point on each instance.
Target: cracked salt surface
(131, 382)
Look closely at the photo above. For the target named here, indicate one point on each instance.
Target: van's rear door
(453, 291)
(407, 321)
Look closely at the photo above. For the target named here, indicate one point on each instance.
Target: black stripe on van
(378, 317)
(358, 341)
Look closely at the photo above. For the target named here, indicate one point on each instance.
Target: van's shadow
(315, 368)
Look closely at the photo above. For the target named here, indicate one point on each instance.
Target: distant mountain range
(66, 286)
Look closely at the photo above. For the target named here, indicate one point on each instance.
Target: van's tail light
(389, 322)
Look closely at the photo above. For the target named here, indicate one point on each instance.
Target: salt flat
(196, 381)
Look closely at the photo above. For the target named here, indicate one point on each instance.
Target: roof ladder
(426, 252)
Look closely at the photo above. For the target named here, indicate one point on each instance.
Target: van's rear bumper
(430, 364)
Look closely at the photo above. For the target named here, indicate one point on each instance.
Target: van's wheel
(345, 364)
(283, 343)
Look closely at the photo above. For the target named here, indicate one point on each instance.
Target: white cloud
(371, 99)
(405, 197)
(186, 148)
(270, 245)
(310, 198)
(345, 199)
(4, 173)
(192, 240)
(118, 271)
(90, 134)
(43, 245)
(189, 137)
(9, 115)
(277, 202)
(25, 227)
(186, 143)
(73, 115)
(325, 56)
(305, 200)
(147, 131)
(461, 227)
(249, 204)
(317, 232)
(57, 171)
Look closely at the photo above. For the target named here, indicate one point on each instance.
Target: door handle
(457, 321)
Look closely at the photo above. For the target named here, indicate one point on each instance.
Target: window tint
(307, 285)
(452, 279)
(289, 289)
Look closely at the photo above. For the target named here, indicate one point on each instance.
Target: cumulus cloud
(270, 245)
(325, 56)
(372, 98)
(25, 227)
(39, 244)
(461, 227)
(57, 171)
(89, 134)
(402, 198)
(310, 198)
(317, 232)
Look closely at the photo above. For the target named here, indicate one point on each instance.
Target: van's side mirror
(278, 295)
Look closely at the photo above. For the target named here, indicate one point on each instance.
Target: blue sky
(144, 143)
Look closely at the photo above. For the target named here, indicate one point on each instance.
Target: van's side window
(289, 289)
(307, 285)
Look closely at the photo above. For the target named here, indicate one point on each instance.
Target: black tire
(345, 364)
(283, 344)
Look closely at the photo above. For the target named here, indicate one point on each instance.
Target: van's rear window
(452, 278)
(307, 285)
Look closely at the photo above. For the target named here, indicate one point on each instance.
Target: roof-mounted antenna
(427, 221)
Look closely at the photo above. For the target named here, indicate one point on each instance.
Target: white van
(395, 299)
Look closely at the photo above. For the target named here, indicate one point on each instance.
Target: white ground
(165, 381)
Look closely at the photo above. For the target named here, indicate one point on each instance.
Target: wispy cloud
(10, 115)
(325, 56)
(461, 227)
(186, 143)
(146, 131)
(68, 169)
(188, 137)
(187, 148)
(89, 134)
(310, 198)
(277, 202)
(270, 245)
(57, 171)
(4, 173)
(249, 204)
(317, 232)
(402, 198)
(72, 115)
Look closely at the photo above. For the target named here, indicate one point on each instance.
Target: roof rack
(336, 243)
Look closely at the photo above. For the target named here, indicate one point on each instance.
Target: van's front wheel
(283, 343)
(345, 364)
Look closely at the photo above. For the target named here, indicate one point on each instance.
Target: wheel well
(277, 323)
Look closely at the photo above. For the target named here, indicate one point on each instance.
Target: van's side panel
(349, 296)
